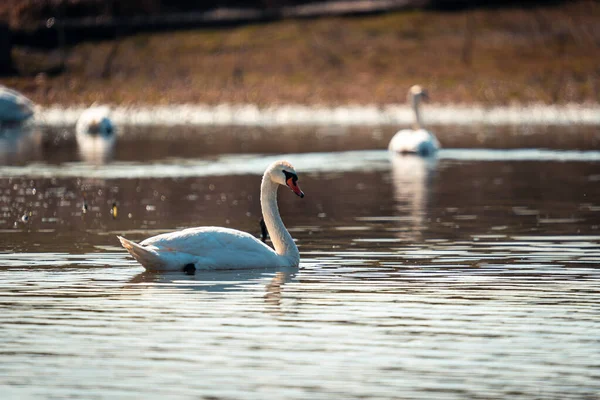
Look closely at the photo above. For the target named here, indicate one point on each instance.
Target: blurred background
(280, 52)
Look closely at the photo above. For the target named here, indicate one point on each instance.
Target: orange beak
(294, 186)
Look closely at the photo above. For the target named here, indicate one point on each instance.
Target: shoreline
(299, 115)
(503, 56)
(311, 162)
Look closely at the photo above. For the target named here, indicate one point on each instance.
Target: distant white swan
(224, 248)
(417, 140)
(14, 107)
(96, 134)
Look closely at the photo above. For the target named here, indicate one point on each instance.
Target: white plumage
(223, 248)
(95, 121)
(418, 140)
(14, 107)
(414, 141)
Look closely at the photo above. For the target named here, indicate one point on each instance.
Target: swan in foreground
(14, 107)
(213, 247)
(417, 140)
(95, 134)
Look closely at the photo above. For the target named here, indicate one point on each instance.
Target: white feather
(95, 121)
(14, 107)
(418, 141)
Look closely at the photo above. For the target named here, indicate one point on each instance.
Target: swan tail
(148, 258)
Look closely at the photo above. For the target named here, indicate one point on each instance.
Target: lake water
(472, 275)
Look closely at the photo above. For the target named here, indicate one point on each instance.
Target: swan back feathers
(95, 121)
(14, 107)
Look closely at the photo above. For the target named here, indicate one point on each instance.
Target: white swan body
(96, 134)
(414, 141)
(418, 140)
(95, 122)
(223, 248)
(14, 107)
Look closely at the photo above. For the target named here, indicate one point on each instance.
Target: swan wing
(195, 240)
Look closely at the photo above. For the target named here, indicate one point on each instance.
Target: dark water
(474, 275)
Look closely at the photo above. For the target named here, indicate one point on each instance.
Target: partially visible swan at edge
(417, 140)
(96, 134)
(224, 248)
(14, 107)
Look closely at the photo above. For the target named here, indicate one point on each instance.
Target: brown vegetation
(492, 56)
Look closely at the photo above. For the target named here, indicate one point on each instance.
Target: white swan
(14, 107)
(96, 134)
(223, 248)
(417, 140)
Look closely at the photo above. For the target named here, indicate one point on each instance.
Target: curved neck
(415, 100)
(280, 237)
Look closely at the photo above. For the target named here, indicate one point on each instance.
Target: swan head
(103, 127)
(417, 93)
(107, 128)
(95, 121)
(283, 173)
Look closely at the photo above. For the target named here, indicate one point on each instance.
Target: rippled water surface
(473, 275)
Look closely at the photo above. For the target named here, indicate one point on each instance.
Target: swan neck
(415, 101)
(282, 240)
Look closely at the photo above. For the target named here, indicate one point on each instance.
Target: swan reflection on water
(218, 280)
(19, 144)
(222, 281)
(412, 178)
(96, 151)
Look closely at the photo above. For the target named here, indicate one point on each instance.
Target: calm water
(475, 275)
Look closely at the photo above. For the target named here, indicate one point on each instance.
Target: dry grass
(542, 55)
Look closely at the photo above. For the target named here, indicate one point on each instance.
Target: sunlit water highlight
(251, 115)
(244, 164)
(472, 275)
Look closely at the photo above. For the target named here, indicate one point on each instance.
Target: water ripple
(450, 280)
(244, 164)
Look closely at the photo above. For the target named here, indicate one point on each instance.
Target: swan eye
(290, 175)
